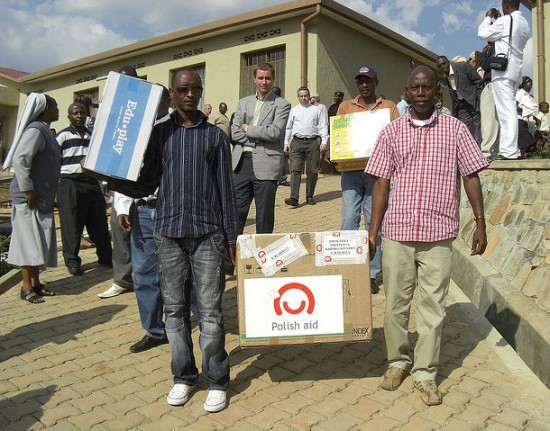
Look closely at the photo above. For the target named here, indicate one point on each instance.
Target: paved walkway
(65, 365)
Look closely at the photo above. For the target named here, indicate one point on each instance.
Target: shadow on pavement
(328, 196)
(505, 321)
(59, 330)
(324, 362)
(93, 275)
(22, 412)
(307, 362)
(250, 221)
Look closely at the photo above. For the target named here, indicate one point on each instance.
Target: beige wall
(339, 59)
(221, 56)
(335, 52)
(9, 101)
(8, 117)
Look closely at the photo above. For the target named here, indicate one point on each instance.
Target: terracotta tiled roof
(12, 73)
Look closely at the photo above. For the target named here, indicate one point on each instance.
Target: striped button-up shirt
(424, 165)
(192, 168)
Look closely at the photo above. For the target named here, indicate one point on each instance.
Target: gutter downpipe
(303, 41)
(540, 52)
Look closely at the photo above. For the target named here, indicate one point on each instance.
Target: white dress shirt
(123, 203)
(498, 32)
(306, 121)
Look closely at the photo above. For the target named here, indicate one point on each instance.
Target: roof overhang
(239, 22)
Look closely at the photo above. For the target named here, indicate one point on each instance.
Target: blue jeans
(202, 261)
(144, 268)
(357, 193)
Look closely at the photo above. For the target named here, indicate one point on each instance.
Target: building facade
(318, 43)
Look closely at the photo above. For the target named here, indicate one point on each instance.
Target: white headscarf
(34, 106)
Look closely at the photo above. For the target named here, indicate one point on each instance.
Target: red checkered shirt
(424, 166)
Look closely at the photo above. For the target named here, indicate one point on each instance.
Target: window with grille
(85, 97)
(93, 94)
(275, 56)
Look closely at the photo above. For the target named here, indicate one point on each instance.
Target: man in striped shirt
(81, 201)
(196, 223)
(417, 164)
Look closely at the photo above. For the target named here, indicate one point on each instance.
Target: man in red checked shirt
(417, 164)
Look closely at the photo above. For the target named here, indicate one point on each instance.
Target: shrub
(5, 267)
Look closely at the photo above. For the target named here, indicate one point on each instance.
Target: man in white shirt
(505, 83)
(544, 125)
(315, 100)
(306, 126)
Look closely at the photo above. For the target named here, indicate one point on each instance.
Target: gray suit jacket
(265, 137)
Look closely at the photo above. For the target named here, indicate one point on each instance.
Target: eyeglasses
(184, 89)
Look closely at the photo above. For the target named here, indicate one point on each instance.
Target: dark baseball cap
(339, 94)
(367, 71)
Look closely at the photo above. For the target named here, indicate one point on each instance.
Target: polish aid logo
(293, 306)
(294, 287)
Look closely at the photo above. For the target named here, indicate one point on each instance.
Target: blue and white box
(123, 126)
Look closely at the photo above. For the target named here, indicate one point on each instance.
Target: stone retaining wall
(510, 283)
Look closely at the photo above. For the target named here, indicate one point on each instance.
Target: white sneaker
(179, 394)
(216, 401)
(114, 290)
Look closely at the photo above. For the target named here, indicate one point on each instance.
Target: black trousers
(472, 118)
(248, 187)
(82, 204)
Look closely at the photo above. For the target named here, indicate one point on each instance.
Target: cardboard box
(353, 136)
(303, 288)
(123, 126)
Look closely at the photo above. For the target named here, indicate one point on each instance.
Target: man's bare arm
(472, 186)
(380, 195)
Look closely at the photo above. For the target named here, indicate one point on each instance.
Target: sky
(37, 34)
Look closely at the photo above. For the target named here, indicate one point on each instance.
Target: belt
(247, 153)
(305, 139)
(149, 204)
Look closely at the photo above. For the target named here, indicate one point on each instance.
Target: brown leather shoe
(393, 377)
(429, 392)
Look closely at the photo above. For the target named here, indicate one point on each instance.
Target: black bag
(500, 61)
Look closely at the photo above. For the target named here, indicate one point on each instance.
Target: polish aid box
(353, 136)
(303, 288)
(123, 126)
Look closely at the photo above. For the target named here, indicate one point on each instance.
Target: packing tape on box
(341, 247)
(280, 253)
(247, 246)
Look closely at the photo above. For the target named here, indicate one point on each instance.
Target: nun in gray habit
(36, 161)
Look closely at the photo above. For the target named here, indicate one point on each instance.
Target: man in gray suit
(257, 130)
(465, 86)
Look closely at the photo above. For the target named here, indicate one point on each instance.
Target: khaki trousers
(424, 267)
(489, 122)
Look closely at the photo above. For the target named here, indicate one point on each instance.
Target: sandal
(34, 299)
(42, 290)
